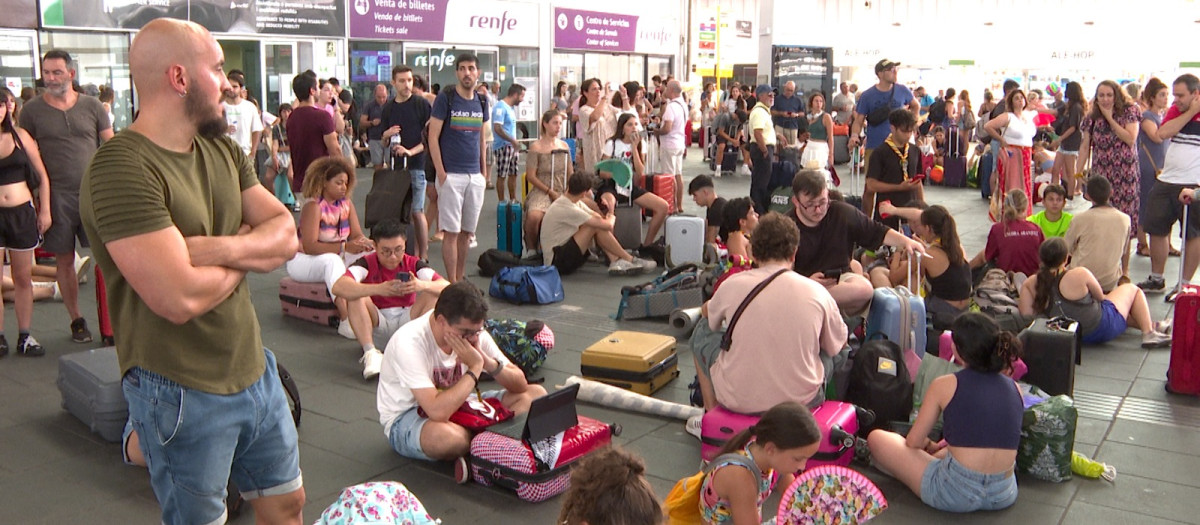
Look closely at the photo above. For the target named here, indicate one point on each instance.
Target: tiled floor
(52, 470)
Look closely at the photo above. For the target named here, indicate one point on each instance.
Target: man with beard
(67, 126)
(180, 218)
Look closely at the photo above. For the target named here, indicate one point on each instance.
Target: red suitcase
(838, 422)
(1183, 372)
(308, 301)
(500, 460)
(663, 185)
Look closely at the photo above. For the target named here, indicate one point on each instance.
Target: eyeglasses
(390, 252)
(823, 203)
(467, 333)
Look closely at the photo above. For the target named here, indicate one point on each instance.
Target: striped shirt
(1182, 164)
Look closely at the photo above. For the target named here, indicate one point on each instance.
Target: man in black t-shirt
(403, 120)
(829, 232)
(892, 172)
(705, 195)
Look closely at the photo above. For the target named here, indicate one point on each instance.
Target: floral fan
(830, 494)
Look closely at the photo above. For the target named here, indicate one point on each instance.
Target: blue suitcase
(508, 227)
(898, 315)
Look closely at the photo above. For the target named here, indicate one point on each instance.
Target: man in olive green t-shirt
(178, 219)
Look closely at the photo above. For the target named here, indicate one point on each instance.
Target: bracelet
(496, 371)
(473, 376)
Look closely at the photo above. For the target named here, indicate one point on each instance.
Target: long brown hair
(1052, 254)
(788, 425)
(938, 219)
(1120, 101)
(583, 89)
(609, 487)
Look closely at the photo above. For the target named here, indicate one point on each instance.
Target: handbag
(477, 412)
(32, 179)
(390, 196)
(727, 339)
(880, 114)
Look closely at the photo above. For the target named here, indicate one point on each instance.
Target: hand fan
(830, 494)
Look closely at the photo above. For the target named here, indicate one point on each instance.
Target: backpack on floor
(879, 381)
(519, 341)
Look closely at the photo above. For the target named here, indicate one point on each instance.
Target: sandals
(1144, 251)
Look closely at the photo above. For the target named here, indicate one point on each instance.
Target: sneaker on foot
(345, 330)
(462, 471)
(474, 243)
(623, 267)
(693, 425)
(1153, 285)
(1164, 326)
(372, 361)
(80, 332)
(82, 266)
(1155, 339)
(3, 346)
(647, 265)
(29, 347)
(57, 292)
(1170, 297)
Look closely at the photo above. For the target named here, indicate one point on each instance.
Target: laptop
(546, 417)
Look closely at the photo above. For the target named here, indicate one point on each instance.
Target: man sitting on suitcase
(570, 228)
(398, 285)
(432, 366)
(829, 230)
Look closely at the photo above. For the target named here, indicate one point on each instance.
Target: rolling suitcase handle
(1170, 317)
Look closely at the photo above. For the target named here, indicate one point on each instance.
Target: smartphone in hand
(404, 277)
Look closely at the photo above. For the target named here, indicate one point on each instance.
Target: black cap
(884, 64)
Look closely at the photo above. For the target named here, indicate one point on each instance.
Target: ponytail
(1005, 352)
(981, 344)
(788, 425)
(1051, 254)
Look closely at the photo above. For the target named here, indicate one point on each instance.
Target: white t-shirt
(618, 149)
(413, 360)
(245, 120)
(674, 111)
(562, 220)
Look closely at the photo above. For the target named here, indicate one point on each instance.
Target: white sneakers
(647, 265)
(634, 267)
(345, 330)
(82, 266)
(372, 361)
(693, 425)
(1155, 339)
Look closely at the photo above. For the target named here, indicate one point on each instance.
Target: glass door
(279, 67)
(18, 63)
(437, 63)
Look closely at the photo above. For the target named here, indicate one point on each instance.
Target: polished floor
(53, 470)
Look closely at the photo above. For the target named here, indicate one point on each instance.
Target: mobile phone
(404, 276)
(835, 273)
(918, 177)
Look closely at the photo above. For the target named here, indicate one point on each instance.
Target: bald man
(179, 218)
(671, 140)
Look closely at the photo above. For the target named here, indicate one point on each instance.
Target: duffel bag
(527, 285)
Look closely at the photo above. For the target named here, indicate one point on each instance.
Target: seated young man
(570, 227)
(783, 325)
(1053, 220)
(433, 364)
(1098, 238)
(892, 170)
(400, 287)
(727, 127)
(704, 194)
(829, 230)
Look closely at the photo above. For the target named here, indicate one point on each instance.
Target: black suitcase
(1051, 350)
(90, 383)
(841, 149)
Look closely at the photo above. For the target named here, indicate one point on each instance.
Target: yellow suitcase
(637, 361)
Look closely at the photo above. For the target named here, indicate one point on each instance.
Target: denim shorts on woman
(195, 443)
(949, 486)
(1112, 324)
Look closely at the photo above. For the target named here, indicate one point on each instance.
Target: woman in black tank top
(946, 271)
(21, 225)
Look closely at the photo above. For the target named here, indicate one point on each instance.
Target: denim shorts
(405, 434)
(949, 486)
(195, 443)
(1112, 325)
(419, 182)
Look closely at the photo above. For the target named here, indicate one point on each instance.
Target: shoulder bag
(32, 179)
(727, 339)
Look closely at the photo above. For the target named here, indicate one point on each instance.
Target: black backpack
(493, 260)
(937, 112)
(879, 381)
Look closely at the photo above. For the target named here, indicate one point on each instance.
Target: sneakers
(462, 471)
(29, 347)
(623, 267)
(83, 265)
(647, 265)
(693, 425)
(1155, 339)
(80, 332)
(1153, 284)
(372, 361)
(474, 243)
(3, 346)
(744, 170)
(345, 330)
(1164, 326)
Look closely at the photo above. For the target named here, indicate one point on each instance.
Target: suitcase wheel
(615, 429)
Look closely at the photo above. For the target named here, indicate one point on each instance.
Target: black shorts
(1163, 210)
(610, 186)
(18, 228)
(569, 257)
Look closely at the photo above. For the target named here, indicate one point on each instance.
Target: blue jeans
(949, 486)
(419, 182)
(195, 442)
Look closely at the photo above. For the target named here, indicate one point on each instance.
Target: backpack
(879, 381)
(527, 285)
(682, 504)
(517, 340)
(937, 112)
(492, 261)
(663, 295)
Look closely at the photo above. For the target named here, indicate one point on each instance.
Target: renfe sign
(598, 31)
(446, 21)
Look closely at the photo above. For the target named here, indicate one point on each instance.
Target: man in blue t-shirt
(457, 150)
(505, 147)
(886, 93)
(403, 121)
(924, 100)
(787, 112)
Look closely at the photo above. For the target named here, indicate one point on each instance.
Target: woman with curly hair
(1109, 137)
(609, 487)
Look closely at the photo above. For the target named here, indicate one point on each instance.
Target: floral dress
(1117, 162)
(714, 510)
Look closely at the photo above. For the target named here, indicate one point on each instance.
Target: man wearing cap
(884, 94)
(762, 146)
(787, 112)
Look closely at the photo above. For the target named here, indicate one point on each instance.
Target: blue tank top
(985, 412)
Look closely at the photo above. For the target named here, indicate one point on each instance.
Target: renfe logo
(502, 23)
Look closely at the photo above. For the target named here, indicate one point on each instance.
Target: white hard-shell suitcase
(685, 240)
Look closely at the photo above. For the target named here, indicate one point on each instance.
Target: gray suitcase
(628, 228)
(90, 383)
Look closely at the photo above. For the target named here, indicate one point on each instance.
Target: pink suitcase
(499, 460)
(308, 301)
(838, 422)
